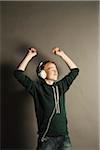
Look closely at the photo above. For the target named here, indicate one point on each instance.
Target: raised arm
(65, 57)
(19, 72)
(32, 52)
(66, 82)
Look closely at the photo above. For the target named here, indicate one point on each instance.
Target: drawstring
(56, 108)
(56, 97)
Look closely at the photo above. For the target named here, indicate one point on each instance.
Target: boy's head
(47, 70)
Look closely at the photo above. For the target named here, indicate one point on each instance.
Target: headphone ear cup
(43, 74)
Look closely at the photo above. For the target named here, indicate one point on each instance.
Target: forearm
(23, 64)
(68, 61)
(30, 54)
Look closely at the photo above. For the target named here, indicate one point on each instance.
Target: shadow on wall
(18, 120)
(13, 102)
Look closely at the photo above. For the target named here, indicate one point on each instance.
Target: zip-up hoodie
(49, 102)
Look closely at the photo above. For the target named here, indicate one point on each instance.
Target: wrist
(62, 55)
(29, 56)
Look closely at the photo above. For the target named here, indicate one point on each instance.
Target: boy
(48, 94)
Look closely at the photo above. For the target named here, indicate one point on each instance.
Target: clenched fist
(57, 51)
(32, 52)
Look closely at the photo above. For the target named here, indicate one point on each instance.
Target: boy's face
(51, 70)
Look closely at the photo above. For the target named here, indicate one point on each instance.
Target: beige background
(72, 26)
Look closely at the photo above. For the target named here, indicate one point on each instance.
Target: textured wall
(72, 26)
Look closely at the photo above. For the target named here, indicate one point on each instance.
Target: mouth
(55, 74)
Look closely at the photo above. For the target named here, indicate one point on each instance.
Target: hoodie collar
(44, 82)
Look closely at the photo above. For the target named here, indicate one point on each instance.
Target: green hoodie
(49, 102)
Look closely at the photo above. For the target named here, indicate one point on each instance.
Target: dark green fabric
(44, 101)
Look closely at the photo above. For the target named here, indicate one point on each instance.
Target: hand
(57, 51)
(32, 52)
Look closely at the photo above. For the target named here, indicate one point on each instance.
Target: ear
(43, 74)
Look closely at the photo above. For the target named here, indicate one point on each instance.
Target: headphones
(41, 73)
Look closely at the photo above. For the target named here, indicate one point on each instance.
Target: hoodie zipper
(56, 109)
(43, 137)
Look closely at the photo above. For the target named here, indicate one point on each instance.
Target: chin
(55, 79)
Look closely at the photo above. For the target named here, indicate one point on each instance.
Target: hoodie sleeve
(24, 80)
(65, 82)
